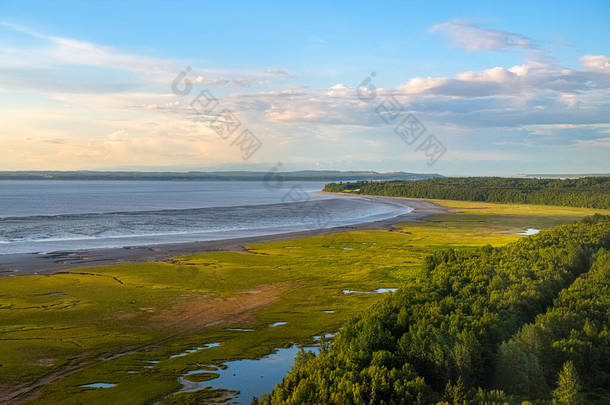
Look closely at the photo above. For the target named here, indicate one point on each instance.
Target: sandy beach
(52, 262)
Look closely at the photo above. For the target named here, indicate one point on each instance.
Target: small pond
(529, 231)
(194, 350)
(251, 378)
(377, 291)
(98, 385)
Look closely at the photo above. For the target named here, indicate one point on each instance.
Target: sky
(457, 88)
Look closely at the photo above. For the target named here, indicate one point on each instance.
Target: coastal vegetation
(593, 192)
(474, 328)
(124, 324)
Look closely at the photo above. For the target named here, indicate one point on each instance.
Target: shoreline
(21, 264)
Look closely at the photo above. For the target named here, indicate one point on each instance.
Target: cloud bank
(76, 104)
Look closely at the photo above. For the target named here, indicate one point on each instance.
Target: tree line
(591, 192)
(524, 322)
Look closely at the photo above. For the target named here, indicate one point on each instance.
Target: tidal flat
(122, 325)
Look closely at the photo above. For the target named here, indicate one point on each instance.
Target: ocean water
(50, 215)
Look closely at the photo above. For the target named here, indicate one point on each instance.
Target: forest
(590, 192)
(525, 323)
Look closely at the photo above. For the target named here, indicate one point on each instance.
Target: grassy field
(120, 324)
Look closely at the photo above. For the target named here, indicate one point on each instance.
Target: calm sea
(49, 215)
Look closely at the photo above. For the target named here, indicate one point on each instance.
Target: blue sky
(504, 87)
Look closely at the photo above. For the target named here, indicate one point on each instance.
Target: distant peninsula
(304, 175)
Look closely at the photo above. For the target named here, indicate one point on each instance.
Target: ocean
(54, 215)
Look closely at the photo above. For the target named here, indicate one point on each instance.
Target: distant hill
(304, 175)
(562, 175)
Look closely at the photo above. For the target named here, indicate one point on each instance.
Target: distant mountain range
(304, 175)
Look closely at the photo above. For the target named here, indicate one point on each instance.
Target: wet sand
(53, 262)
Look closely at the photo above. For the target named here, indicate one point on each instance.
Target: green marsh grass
(63, 331)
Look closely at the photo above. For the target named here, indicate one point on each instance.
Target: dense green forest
(591, 192)
(524, 322)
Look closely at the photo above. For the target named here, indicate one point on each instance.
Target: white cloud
(571, 100)
(277, 72)
(597, 143)
(595, 63)
(475, 39)
(71, 51)
(59, 64)
(144, 123)
(531, 76)
(482, 156)
(534, 93)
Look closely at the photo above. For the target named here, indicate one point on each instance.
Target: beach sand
(53, 262)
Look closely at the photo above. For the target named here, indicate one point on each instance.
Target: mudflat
(52, 262)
